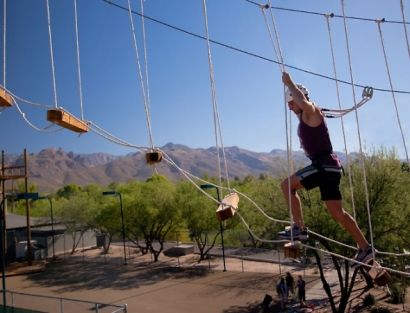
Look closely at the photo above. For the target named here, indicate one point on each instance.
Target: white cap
(300, 87)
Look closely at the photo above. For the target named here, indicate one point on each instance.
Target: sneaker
(363, 256)
(298, 234)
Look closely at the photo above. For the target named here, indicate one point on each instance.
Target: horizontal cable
(249, 53)
(332, 14)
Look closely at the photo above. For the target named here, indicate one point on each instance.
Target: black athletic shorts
(326, 177)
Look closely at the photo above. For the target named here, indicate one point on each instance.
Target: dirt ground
(173, 285)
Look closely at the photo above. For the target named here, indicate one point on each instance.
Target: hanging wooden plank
(67, 120)
(5, 98)
(153, 157)
(228, 207)
(379, 275)
(292, 250)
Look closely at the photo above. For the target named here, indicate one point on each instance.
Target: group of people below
(286, 286)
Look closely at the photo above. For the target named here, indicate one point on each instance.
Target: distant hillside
(53, 168)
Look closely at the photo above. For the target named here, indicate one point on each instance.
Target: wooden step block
(228, 207)
(380, 276)
(5, 99)
(67, 120)
(153, 157)
(292, 250)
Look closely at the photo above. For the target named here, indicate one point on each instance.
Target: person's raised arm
(297, 95)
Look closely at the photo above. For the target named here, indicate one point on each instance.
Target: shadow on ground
(74, 275)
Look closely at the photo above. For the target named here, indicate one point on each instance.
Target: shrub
(380, 309)
(397, 293)
(369, 300)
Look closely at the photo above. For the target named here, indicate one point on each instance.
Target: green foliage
(369, 300)
(151, 212)
(68, 190)
(266, 193)
(397, 293)
(380, 309)
(388, 198)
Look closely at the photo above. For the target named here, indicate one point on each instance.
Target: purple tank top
(315, 141)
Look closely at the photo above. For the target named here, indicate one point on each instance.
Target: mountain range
(52, 168)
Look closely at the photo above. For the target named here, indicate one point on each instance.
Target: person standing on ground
(301, 286)
(325, 171)
(281, 290)
(290, 284)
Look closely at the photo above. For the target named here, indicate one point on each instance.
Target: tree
(199, 217)
(76, 213)
(390, 211)
(107, 221)
(152, 214)
(266, 193)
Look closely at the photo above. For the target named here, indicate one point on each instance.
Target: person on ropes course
(325, 171)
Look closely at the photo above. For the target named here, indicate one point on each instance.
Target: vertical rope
(275, 29)
(362, 158)
(147, 114)
(51, 55)
(288, 119)
(280, 63)
(405, 28)
(145, 58)
(349, 170)
(4, 41)
(80, 89)
(217, 123)
(378, 22)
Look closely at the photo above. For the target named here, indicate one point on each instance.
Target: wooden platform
(153, 157)
(67, 120)
(5, 99)
(228, 207)
(379, 275)
(292, 250)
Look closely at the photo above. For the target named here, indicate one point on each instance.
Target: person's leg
(347, 222)
(289, 187)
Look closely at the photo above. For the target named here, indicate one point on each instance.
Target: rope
(349, 170)
(217, 121)
(23, 115)
(357, 262)
(27, 101)
(4, 41)
(391, 87)
(147, 114)
(404, 25)
(323, 14)
(244, 51)
(334, 113)
(145, 58)
(80, 90)
(358, 131)
(190, 177)
(288, 121)
(105, 134)
(279, 59)
(51, 55)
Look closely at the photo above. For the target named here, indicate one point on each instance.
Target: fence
(41, 303)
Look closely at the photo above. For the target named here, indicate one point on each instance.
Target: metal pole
(3, 233)
(222, 232)
(52, 226)
(123, 229)
(3, 255)
(29, 250)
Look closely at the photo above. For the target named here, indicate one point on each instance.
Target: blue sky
(249, 89)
